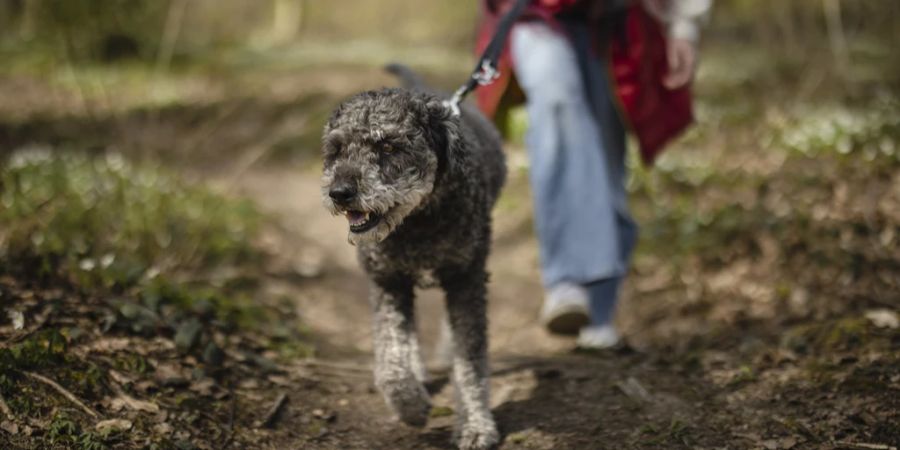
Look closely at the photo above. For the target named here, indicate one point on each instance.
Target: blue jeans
(576, 145)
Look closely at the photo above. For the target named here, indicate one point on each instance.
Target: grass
(102, 222)
(103, 248)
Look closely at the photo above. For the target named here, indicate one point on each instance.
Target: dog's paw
(409, 400)
(478, 436)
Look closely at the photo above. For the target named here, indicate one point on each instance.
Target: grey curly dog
(417, 184)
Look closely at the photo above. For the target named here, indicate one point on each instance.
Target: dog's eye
(385, 147)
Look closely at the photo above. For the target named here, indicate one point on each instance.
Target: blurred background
(161, 235)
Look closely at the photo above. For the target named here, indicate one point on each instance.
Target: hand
(682, 55)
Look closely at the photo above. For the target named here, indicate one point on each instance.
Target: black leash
(486, 69)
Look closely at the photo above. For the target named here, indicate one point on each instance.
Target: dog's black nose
(342, 192)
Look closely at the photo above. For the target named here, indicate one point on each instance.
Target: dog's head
(383, 152)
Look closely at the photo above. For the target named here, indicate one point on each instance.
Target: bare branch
(72, 398)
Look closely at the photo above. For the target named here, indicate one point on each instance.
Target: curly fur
(432, 178)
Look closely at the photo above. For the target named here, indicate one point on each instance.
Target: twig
(866, 445)
(336, 365)
(634, 390)
(5, 408)
(269, 419)
(72, 398)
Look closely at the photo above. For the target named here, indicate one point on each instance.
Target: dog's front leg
(466, 311)
(398, 365)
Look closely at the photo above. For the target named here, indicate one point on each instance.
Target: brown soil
(737, 387)
(710, 364)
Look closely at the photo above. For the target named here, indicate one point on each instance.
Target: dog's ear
(444, 134)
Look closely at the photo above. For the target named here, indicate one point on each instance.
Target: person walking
(590, 70)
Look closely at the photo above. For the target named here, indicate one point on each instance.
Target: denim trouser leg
(576, 147)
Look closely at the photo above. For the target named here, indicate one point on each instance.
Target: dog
(417, 183)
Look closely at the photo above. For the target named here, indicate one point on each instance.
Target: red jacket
(653, 113)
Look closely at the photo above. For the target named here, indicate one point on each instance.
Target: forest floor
(761, 312)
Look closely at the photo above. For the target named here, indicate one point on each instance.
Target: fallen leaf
(170, 375)
(248, 383)
(788, 442)
(105, 426)
(163, 428)
(111, 344)
(120, 378)
(17, 318)
(127, 401)
(279, 380)
(883, 318)
(9, 427)
(203, 386)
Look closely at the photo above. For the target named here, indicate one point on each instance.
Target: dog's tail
(408, 77)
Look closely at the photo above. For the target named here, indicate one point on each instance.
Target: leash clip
(487, 74)
(453, 102)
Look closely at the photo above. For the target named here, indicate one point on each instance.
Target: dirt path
(544, 396)
(293, 197)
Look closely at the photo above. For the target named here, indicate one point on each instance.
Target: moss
(830, 336)
(46, 348)
(65, 432)
(845, 334)
(133, 363)
(87, 377)
(820, 372)
(744, 375)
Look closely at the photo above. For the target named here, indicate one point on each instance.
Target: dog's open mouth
(362, 221)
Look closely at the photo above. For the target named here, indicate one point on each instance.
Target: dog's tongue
(356, 217)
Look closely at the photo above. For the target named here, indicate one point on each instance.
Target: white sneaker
(598, 337)
(565, 309)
